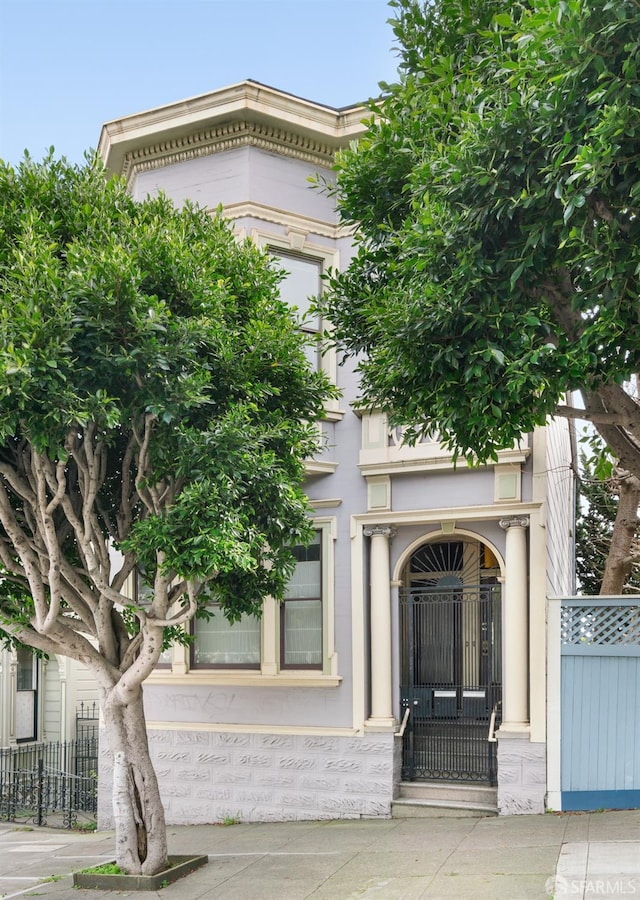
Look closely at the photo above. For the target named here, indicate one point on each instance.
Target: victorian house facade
(411, 648)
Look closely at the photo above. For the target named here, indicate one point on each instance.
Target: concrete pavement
(578, 855)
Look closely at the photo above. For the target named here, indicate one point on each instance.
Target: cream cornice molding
(319, 129)
(225, 137)
(328, 503)
(249, 209)
(234, 728)
(437, 461)
(319, 467)
(399, 518)
(244, 678)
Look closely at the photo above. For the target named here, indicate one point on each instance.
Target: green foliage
(109, 868)
(596, 515)
(231, 820)
(496, 194)
(154, 397)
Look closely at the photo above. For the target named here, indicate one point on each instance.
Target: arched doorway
(451, 661)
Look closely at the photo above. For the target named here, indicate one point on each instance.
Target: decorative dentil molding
(227, 137)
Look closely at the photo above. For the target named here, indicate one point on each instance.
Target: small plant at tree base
(110, 868)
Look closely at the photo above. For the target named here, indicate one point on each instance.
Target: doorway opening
(451, 661)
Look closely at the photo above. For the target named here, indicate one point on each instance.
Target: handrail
(491, 737)
(405, 719)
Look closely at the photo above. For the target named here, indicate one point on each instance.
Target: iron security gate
(451, 680)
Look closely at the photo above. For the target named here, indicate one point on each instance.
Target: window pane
(305, 581)
(24, 670)
(144, 592)
(300, 284)
(302, 609)
(165, 658)
(303, 633)
(219, 643)
(312, 352)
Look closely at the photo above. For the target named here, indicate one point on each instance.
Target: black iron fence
(50, 783)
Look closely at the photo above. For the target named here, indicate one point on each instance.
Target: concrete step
(420, 799)
(433, 809)
(448, 790)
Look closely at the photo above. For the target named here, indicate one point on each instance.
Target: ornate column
(515, 716)
(381, 717)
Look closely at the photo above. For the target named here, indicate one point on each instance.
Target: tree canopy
(603, 504)
(496, 195)
(156, 410)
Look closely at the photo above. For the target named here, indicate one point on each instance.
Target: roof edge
(244, 101)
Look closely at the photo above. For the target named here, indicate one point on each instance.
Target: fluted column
(381, 697)
(515, 715)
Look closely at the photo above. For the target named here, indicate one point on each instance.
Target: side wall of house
(561, 504)
(53, 702)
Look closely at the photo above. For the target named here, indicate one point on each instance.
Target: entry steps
(439, 799)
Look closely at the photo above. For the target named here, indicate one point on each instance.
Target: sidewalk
(574, 855)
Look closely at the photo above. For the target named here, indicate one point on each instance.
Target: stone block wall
(522, 776)
(208, 776)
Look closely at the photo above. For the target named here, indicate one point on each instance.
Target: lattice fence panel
(600, 625)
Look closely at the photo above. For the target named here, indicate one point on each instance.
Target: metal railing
(52, 783)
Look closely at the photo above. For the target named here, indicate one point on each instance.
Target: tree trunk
(620, 559)
(141, 834)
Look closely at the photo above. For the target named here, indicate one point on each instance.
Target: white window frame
(270, 671)
(295, 243)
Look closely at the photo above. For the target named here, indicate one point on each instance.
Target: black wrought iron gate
(450, 681)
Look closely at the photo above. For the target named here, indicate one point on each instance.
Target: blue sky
(67, 66)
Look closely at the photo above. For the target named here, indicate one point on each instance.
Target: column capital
(514, 522)
(387, 531)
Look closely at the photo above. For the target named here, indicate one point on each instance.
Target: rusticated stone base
(209, 776)
(522, 775)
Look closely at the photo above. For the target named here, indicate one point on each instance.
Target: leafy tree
(496, 195)
(607, 511)
(156, 409)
